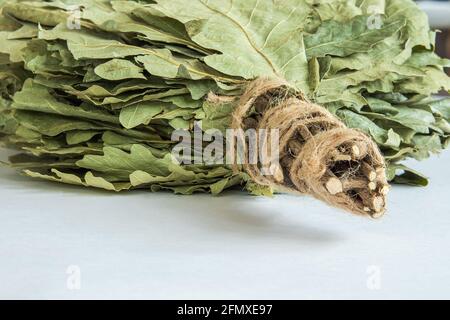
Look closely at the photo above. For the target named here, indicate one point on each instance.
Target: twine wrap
(319, 155)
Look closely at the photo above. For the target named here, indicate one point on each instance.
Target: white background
(235, 246)
(438, 13)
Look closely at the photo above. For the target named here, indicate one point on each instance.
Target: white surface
(438, 13)
(162, 246)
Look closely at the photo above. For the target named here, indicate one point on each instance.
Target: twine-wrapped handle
(319, 155)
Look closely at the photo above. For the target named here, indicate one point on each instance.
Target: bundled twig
(319, 154)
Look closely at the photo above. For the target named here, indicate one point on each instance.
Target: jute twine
(319, 155)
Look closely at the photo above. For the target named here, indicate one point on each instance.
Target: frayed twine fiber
(319, 155)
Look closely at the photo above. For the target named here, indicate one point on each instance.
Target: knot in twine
(318, 154)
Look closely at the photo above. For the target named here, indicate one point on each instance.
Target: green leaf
(401, 174)
(35, 12)
(441, 107)
(250, 45)
(354, 120)
(35, 97)
(49, 124)
(140, 113)
(342, 39)
(417, 28)
(119, 69)
(77, 137)
(122, 164)
(89, 180)
(162, 63)
(13, 48)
